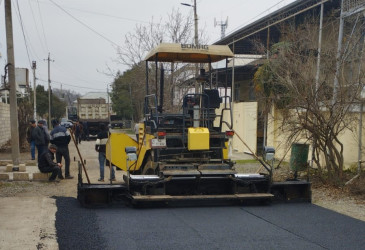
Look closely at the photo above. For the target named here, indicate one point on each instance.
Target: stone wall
(5, 134)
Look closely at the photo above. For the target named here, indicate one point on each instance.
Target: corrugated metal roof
(268, 27)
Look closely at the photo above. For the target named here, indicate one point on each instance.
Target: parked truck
(93, 109)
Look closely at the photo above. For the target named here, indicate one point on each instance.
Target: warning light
(230, 133)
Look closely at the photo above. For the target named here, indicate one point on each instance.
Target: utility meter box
(269, 153)
(198, 138)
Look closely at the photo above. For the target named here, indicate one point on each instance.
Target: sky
(81, 35)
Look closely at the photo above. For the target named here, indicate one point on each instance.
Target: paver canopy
(189, 53)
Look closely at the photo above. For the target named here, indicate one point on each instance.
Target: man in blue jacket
(61, 138)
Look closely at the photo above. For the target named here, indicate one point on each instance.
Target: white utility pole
(49, 90)
(196, 40)
(15, 152)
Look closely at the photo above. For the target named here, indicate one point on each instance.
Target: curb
(25, 173)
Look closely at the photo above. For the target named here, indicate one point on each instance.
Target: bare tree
(176, 29)
(310, 108)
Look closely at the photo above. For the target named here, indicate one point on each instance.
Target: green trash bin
(299, 156)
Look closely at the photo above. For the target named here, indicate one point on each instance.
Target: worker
(30, 139)
(136, 130)
(77, 131)
(61, 138)
(40, 138)
(100, 147)
(47, 165)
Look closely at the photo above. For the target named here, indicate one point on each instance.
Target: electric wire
(85, 25)
(107, 15)
(41, 18)
(254, 18)
(57, 82)
(74, 73)
(22, 26)
(36, 27)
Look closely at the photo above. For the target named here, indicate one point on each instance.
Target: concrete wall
(349, 139)
(244, 125)
(5, 134)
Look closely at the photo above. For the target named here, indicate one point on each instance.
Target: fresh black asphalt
(277, 226)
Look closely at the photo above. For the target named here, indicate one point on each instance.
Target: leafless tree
(176, 29)
(310, 107)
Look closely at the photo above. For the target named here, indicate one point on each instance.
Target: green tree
(58, 107)
(42, 101)
(127, 94)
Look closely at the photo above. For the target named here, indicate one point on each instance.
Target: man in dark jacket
(100, 146)
(46, 164)
(30, 139)
(40, 138)
(61, 138)
(77, 131)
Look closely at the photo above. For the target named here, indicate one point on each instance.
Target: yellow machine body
(118, 141)
(225, 151)
(115, 149)
(198, 138)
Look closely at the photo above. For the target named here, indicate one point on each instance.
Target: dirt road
(27, 209)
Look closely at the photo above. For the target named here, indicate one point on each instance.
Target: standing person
(46, 132)
(136, 130)
(100, 146)
(61, 138)
(85, 129)
(77, 131)
(46, 164)
(40, 138)
(30, 139)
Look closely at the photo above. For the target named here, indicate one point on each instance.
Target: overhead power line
(258, 15)
(87, 26)
(44, 33)
(22, 26)
(36, 27)
(107, 15)
(75, 86)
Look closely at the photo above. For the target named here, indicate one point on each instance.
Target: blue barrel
(299, 156)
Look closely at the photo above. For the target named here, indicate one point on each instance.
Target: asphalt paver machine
(182, 158)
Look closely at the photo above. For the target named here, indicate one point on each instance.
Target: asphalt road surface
(277, 226)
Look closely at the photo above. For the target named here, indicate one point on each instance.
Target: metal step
(248, 196)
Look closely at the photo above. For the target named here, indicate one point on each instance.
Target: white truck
(93, 109)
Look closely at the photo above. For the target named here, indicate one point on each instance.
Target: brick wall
(5, 134)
